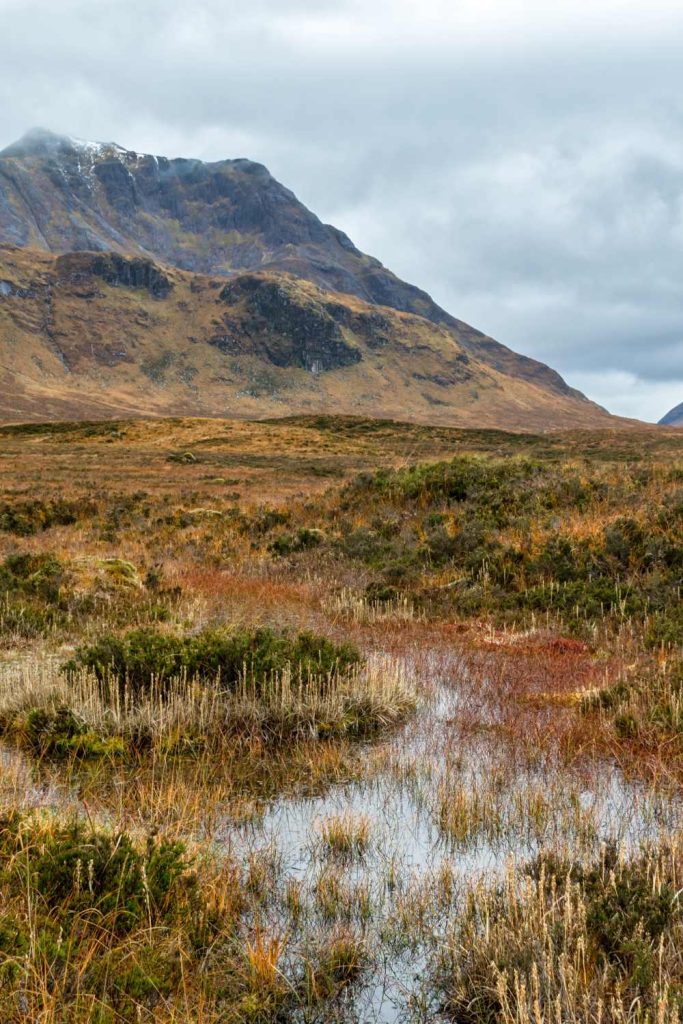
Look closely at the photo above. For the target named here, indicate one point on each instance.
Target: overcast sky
(522, 161)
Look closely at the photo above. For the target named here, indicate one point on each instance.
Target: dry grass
(346, 836)
(330, 864)
(363, 610)
(379, 694)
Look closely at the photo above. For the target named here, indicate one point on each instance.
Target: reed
(358, 608)
(346, 836)
(562, 941)
(184, 712)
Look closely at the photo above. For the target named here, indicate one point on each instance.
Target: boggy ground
(339, 720)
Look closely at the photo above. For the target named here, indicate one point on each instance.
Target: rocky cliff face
(273, 318)
(113, 269)
(674, 418)
(62, 195)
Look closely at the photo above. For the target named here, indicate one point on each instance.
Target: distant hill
(135, 283)
(674, 418)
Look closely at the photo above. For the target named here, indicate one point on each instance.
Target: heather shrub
(145, 658)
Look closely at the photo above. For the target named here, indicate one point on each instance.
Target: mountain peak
(42, 141)
(39, 140)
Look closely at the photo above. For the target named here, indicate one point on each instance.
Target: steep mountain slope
(61, 194)
(674, 418)
(131, 282)
(104, 335)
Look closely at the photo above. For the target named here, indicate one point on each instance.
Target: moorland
(339, 719)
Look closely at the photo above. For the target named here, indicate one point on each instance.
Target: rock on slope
(131, 300)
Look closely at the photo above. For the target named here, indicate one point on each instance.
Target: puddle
(444, 806)
(410, 852)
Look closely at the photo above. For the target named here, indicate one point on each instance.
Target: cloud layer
(521, 161)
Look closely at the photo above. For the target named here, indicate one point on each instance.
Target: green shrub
(143, 658)
(501, 490)
(14, 945)
(497, 524)
(665, 628)
(263, 521)
(627, 912)
(19, 620)
(99, 909)
(615, 918)
(96, 876)
(291, 543)
(25, 518)
(35, 575)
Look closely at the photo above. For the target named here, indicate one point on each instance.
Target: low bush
(309, 689)
(42, 595)
(79, 872)
(627, 908)
(291, 543)
(146, 659)
(106, 919)
(506, 530)
(32, 575)
(567, 939)
(25, 518)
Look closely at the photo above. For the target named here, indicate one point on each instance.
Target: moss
(60, 733)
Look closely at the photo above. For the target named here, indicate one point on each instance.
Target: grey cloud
(533, 184)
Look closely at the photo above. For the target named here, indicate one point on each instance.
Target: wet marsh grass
(345, 837)
(478, 823)
(570, 942)
(379, 903)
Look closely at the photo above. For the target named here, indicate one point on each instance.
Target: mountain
(674, 418)
(113, 296)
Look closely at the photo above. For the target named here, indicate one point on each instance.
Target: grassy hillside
(88, 335)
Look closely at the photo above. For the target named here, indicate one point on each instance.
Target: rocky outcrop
(115, 270)
(287, 328)
(102, 335)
